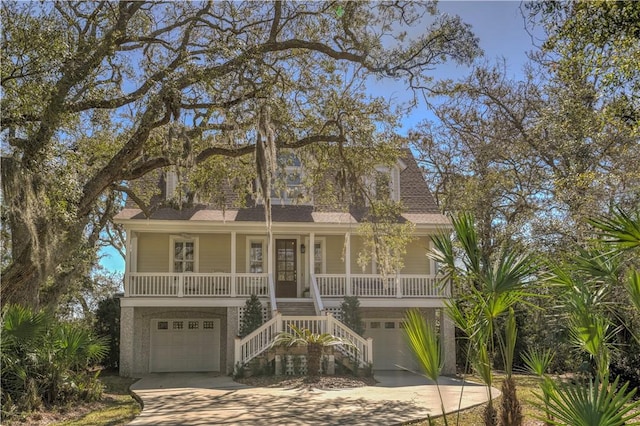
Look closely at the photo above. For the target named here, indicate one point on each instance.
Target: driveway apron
(207, 399)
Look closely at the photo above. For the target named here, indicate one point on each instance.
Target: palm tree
(314, 342)
(485, 289)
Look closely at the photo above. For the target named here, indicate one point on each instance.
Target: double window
(288, 187)
(184, 255)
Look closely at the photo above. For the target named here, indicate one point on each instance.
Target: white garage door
(390, 348)
(185, 345)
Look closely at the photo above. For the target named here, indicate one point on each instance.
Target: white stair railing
(315, 295)
(272, 296)
(362, 349)
(257, 342)
(260, 340)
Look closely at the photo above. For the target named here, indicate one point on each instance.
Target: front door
(286, 274)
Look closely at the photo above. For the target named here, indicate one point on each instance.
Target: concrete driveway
(207, 399)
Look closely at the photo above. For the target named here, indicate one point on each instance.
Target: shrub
(625, 366)
(351, 314)
(252, 318)
(45, 361)
(107, 324)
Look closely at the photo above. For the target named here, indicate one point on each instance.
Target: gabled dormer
(385, 182)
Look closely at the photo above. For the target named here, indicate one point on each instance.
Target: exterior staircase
(297, 308)
(260, 340)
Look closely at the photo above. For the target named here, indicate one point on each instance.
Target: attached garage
(390, 348)
(179, 345)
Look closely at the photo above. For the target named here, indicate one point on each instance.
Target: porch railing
(188, 284)
(368, 285)
(195, 284)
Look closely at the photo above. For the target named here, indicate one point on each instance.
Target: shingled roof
(419, 207)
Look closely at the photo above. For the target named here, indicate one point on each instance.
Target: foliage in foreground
(588, 279)
(485, 291)
(424, 342)
(45, 362)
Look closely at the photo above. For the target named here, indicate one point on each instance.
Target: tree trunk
(20, 282)
(511, 413)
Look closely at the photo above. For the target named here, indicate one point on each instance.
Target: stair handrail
(315, 295)
(256, 342)
(261, 339)
(272, 295)
(362, 348)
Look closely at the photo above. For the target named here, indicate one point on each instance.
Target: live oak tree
(532, 158)
(98, 95)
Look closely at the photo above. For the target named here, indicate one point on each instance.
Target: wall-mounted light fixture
(302, 248)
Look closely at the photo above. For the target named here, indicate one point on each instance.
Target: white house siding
(416, 260)
(141, 341)
(153, 252)
(215, 253)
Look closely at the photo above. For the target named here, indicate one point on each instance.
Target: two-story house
(190, 271)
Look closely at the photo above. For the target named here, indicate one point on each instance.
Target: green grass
(526, 386)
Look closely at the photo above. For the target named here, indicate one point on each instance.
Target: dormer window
(288, 187)
(171, 188)
(386, 183)
(383, 186)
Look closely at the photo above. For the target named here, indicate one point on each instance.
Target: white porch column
(232, 334)
(448, 336)
(432, 263)
(269, 255)
(312, 253)
(131, 260)
(127, 262)
(126, 341)
(233, 264)
(134, 252)
(347, 261)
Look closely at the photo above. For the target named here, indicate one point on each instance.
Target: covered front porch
(289, 265)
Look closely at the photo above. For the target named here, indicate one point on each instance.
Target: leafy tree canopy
(534, 156)
(97, 95)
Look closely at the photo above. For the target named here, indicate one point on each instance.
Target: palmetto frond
(622, 229)
(20, 324)
(305, 337)
(509, 272)
(423, 341)
(633, 288)
(599, 404)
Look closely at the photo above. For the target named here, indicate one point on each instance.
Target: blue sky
(501, 29)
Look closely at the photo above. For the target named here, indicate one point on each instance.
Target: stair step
(293, 308)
